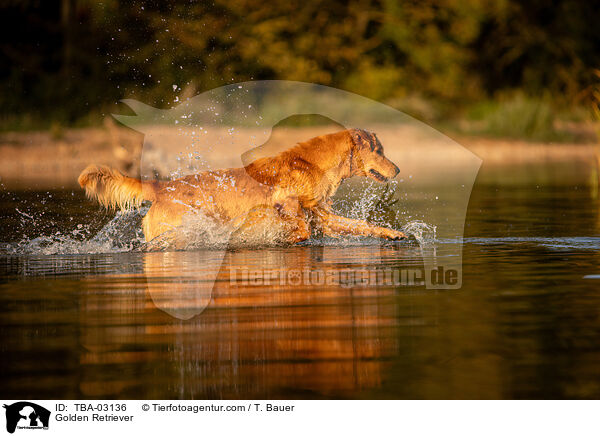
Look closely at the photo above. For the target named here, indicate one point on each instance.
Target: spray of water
(421, 232)
(124, 232)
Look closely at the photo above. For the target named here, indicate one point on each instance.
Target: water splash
(196, 231)
(423, 233)
(378, 204)
(123, 233)
(262, 228)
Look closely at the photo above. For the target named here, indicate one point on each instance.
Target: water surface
(79, 321)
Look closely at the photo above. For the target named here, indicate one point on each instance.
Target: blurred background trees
(70, 61)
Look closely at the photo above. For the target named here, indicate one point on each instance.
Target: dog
(297, 185)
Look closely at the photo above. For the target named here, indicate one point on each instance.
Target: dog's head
(367, 158)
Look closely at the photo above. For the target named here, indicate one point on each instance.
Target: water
(93, 315)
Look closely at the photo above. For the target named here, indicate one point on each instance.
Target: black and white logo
(26, 415)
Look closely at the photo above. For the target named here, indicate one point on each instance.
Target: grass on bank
(518, 116)
(509, 116)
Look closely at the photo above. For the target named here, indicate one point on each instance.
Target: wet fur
(297, 183)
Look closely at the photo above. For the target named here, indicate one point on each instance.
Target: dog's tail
(113, 189)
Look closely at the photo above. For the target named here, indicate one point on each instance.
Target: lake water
(80, 319)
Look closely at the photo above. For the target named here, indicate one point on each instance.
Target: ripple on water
(553, 243)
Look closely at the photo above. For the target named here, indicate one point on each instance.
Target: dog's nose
(396, 171)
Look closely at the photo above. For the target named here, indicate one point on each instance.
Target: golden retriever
(296, 184)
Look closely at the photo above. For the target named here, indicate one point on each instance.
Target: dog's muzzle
(383, 177)
(377, 176)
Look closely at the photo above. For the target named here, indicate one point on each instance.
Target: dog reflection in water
(253, 339)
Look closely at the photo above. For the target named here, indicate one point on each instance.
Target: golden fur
(295, 183)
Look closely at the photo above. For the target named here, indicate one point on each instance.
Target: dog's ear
(363, 138)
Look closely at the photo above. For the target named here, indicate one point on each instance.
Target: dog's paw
(394, 235)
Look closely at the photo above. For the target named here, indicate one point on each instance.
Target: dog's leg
(300, 232)
(336, 226)
(285, 219)
(291, 211)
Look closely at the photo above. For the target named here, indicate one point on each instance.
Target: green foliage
(596, 101)
(517, 116)
(68, 59)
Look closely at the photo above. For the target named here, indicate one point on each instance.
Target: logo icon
(26, 415)
(233, 127)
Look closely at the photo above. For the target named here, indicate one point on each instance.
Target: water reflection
(331, 339)
(525, 323)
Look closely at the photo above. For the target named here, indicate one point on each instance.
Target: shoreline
(35, 160)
